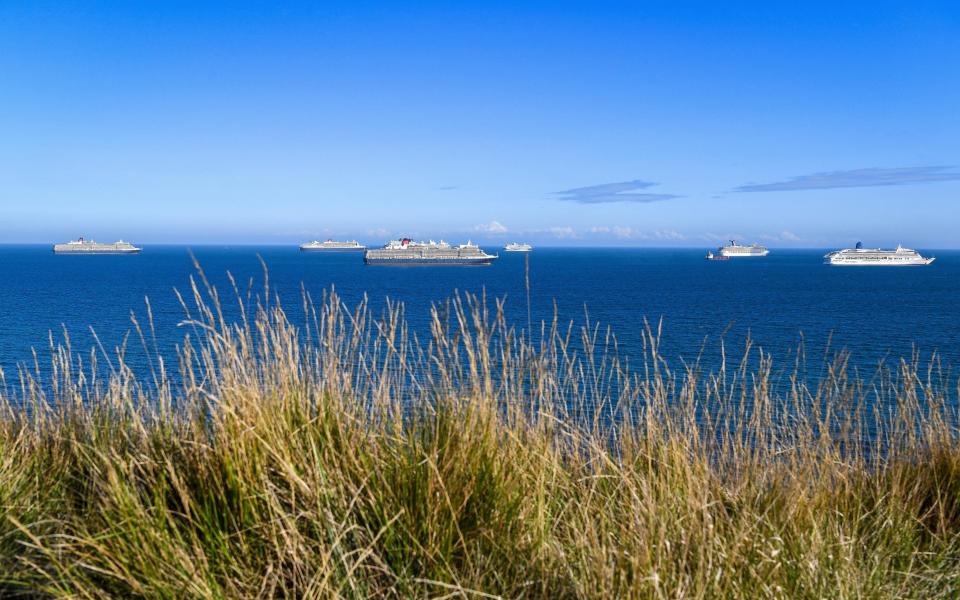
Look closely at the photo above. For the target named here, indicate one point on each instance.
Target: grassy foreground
(344, 458)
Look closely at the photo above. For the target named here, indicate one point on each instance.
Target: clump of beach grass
(341, 456)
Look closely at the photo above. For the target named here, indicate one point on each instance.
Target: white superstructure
(83, 246)
(332, 246)
(408, 252)
(876, 257)
(518, 247)
(736, 250)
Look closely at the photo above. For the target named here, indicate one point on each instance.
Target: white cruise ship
(409, 252)
(83, 246)
(516, 247)
(876, 257)
(332, 246)
(736, 250)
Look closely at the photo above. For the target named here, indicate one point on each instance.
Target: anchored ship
(736, 250)
(82, 246)
(875, 257)
(332, 246)
(517, 247)
(409, 252)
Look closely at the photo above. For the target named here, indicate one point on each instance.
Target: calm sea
(778, 301)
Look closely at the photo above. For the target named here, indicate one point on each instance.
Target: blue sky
(588, 123)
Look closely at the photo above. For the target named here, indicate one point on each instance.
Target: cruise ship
(736, 250)
(876, 257)
(332, 246)
(409, 252)
(82, 246)
(516, 247)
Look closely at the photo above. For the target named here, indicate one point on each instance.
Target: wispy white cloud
(630, 233)
(562, 232)
(314, 233)
(618, 231)
(624, 191)
(722, 237)
(783, 236)
(493, 227)
(872, 177)
(668, 234)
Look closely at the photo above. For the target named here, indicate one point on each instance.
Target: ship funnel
(859, 245)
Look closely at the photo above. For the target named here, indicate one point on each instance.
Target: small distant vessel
(876, 257)
(517, 247)
(409, 252)
(712, 256)
(82, 246)
(733, 249)
(332, 246)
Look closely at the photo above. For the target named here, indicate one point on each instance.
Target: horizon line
(542, 245)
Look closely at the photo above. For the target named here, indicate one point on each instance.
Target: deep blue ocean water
(872, 312)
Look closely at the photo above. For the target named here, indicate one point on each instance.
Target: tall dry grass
(344, 457)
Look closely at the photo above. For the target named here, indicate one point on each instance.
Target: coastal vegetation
(337, 454)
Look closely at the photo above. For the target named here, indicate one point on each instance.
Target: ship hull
(879, 263)
(302, 249)
(429, 262)
(743, 254)
(113, 252)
